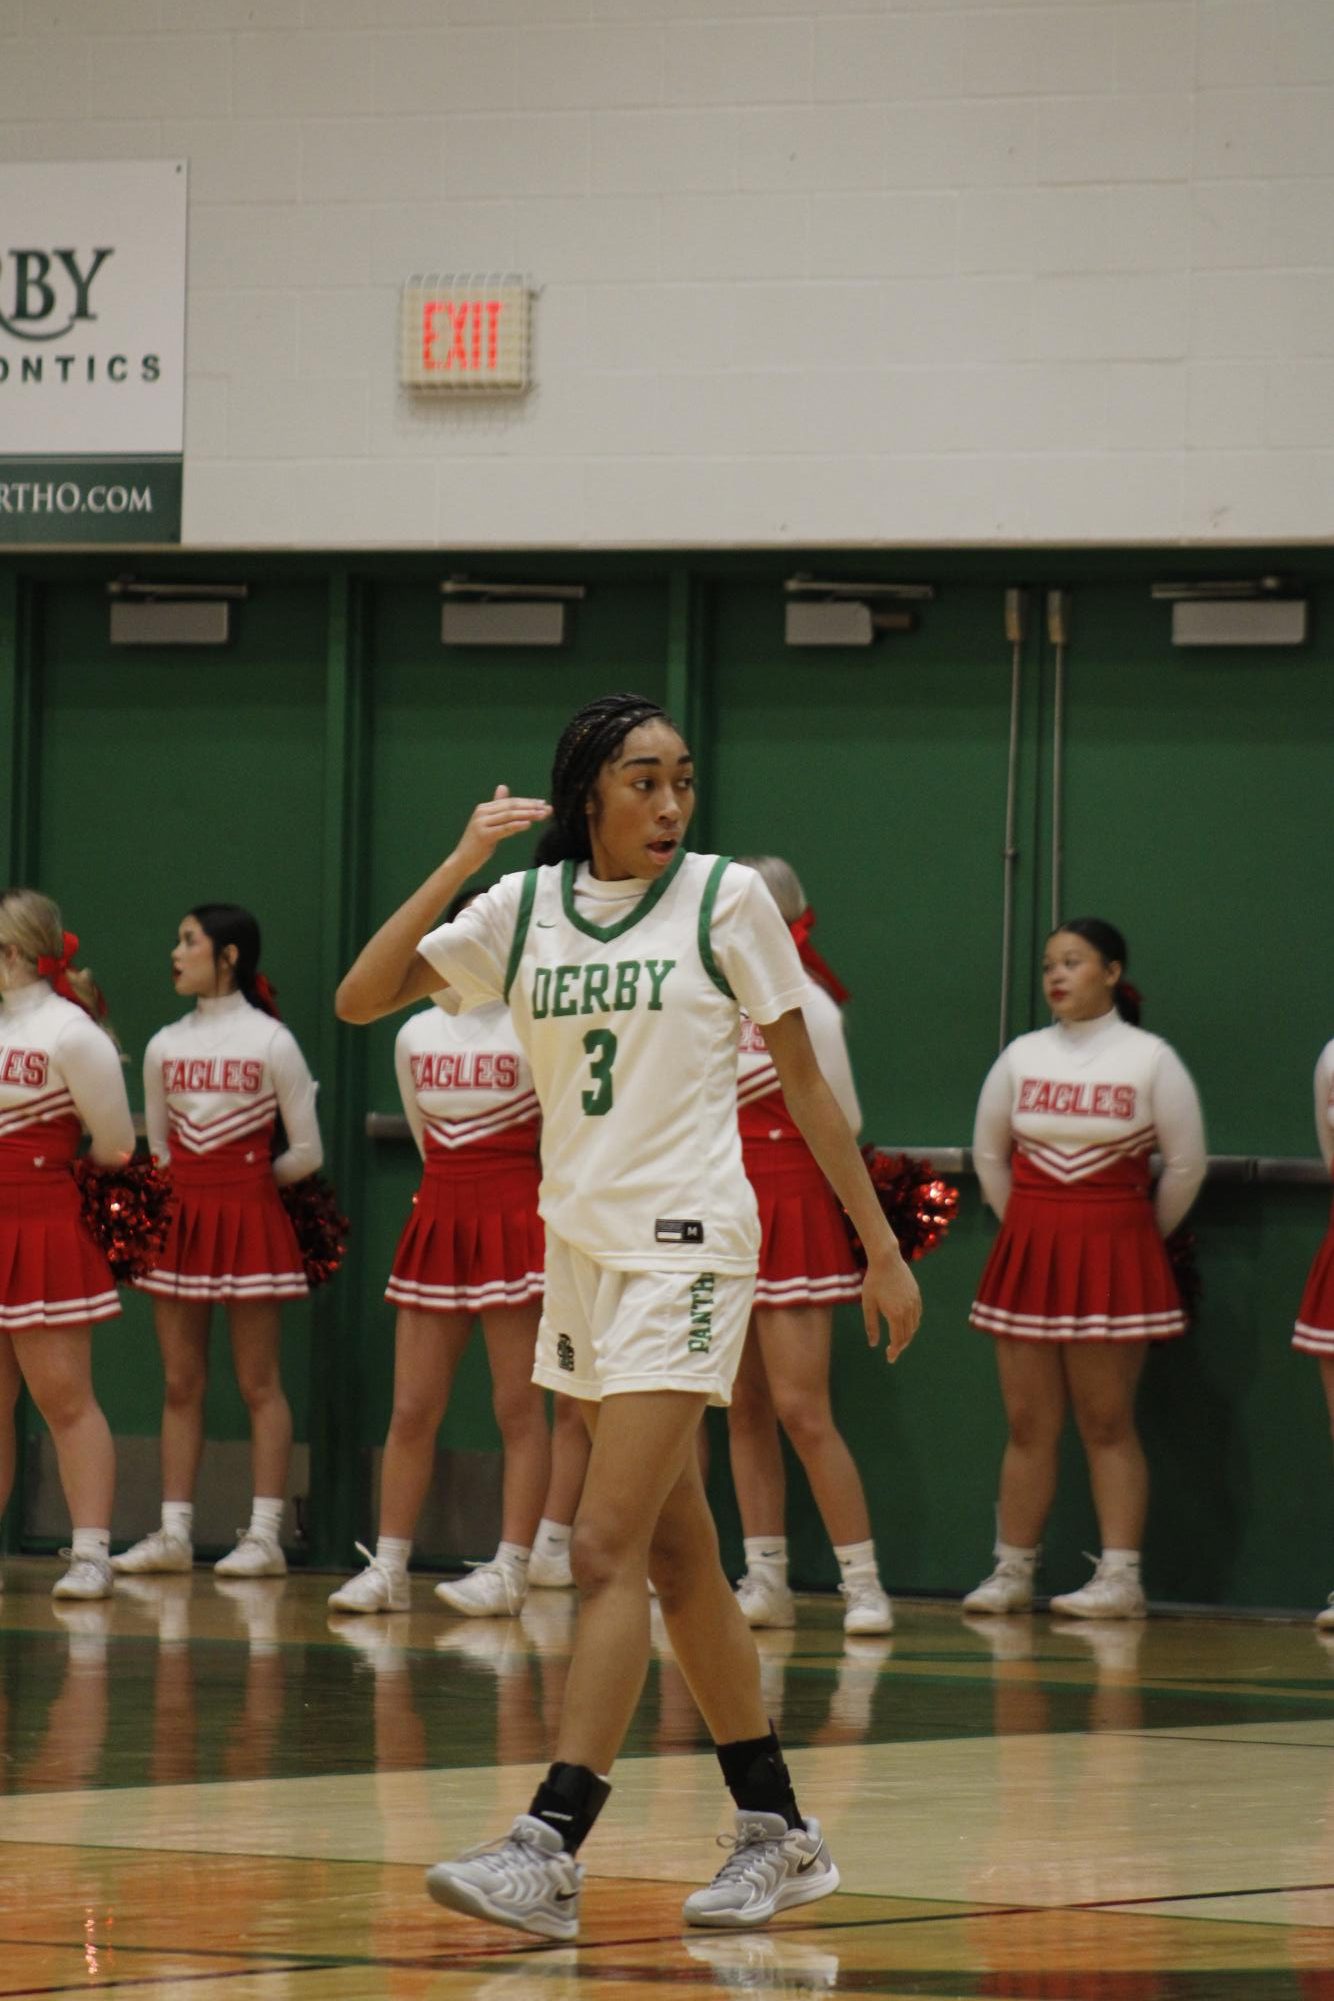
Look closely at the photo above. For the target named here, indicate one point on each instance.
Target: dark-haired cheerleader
(1079, 1282)
(1314, 1333)
(60, 1075)
(626, 963)
(215, 1084)
(806, 1269)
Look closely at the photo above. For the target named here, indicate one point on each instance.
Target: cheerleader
(626, 962)
(472, 1249)
(60, 1075)
(215, 1084)
(1314, 1333)
(806, 1269)
(1078, 1282)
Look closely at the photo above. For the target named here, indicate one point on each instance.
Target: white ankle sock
(392, 1552)
(514, 1554)
(178, 1520)
(1011, 1552)
(552, 1538)
(855, 1558)
(1125, 1560)
(266, 1517)
(91, 1542)
(766, 1554)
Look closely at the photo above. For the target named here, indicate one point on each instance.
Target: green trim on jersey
(521, 924)
(606, 932)
(706, 903)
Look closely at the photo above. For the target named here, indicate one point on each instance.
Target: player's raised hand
(494, 821)
(889, 1291)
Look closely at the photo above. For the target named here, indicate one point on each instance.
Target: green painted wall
(324, 760)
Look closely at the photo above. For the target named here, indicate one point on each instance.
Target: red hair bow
(54, 966)
(267, 995)
(817, 966)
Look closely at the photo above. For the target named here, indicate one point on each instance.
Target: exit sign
(466, 334)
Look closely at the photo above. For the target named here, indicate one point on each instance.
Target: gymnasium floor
(212, 1789)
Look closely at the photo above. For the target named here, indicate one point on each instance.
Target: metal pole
(1016, 621)
(1058, 634)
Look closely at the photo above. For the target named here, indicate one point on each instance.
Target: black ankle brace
(758, 1779)
(570, 1798)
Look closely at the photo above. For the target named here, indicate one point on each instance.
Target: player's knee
(598, 1554)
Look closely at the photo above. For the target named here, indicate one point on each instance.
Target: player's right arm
(389, 973)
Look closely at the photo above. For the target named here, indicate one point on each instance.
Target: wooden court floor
(213, 1789)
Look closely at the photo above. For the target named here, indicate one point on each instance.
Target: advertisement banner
(92, 351)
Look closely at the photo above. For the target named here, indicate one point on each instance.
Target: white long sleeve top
(1091, 1098)
(465, 1082)
(59, 1073)
(761, 1109)
(222, 1074)
(1324, 1105)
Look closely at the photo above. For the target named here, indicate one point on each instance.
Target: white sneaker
(157, 1552)
(550, 1573)
(254, 1556)
(525, 1880)
(377, 1588)
(492, 1591)
(771, 1867)
(1111, 1593)
(866, 1608)
(87, 1577)
(1325, 1618)
(765, 1600)
(1008, 1589)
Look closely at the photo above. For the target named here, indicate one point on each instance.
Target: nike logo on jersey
(599, 988)
(546, 923)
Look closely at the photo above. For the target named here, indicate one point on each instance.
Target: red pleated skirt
(474, 1240)
(51, 1272)
(1315, 1315)
(1082, 1264)
(231, 1240)
(805, 1255)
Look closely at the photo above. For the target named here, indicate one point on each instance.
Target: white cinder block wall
(854, 273)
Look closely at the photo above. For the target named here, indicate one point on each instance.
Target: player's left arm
(889, 1288)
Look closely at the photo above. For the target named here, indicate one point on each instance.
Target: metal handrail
(1282, 1169)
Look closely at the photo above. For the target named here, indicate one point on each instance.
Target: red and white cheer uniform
(59, 1074)
(215, 1082)
(1067, 1121)
(474, 1240)
(1315, 1315)
(805, 1256)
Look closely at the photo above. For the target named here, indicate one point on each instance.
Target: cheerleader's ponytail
(32, 924)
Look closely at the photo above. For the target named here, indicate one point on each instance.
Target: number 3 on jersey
(600, 1044)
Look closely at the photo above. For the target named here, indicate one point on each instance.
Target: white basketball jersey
(627, 1000)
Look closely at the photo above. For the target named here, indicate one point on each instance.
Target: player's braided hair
(588, 740)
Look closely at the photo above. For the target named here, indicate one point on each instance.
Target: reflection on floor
(212, 1783)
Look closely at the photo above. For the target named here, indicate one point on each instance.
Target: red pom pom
(919, 1205)
(126, 1212)
(321, 1231)
(1185, 1269)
